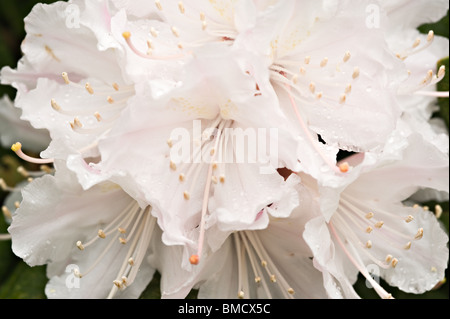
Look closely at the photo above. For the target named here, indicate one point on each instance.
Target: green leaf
(7, 258)
(25, 282)
(444, 86)
(439, 28)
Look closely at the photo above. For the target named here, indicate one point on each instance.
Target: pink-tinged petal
(422, 166)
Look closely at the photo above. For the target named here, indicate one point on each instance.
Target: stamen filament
(127, 36)
(380, 290)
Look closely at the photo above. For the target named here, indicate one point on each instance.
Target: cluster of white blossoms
(203, 140)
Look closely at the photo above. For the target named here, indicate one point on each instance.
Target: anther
(291, 291)
(342, 98)
(98, 116)
(77, 273)
(3, 185)
(369, 215)
(186, 195)
(122, 240)
(76, 122)
(175, 32)
(379, 224)
(158, 5)
(302, 70)
(441, 71)
(204, 25)
(368, 244)
(430, 36)
(55, 105)
(369, 229)
(419, 234)
(407, 246)
(115, 86)
(131, 261)
(45, 169)
(150, 44)
(222, 178)
(118, 283)
(173, 166)
(344, 167)
(388, 258)
(348, 88)
(263, 263)
(307, 59)
(124, 280)
(295, 79)
(319, 95)
(257, 279)
(22, 171)
(101, 233)
(194, 259)
(409, 219)
(324, 62)
(89, 88)
(181, 7)
(394, 262)
(214, 179)
(80, 245)
(16, 204)
(346, 56)
(241, 294)
(65, 77)
(438, 211)
(181, 178)
(121, 230)
(110, 100)
(416, 43)
(202, 16)
(6, 212)
(273, 278)
(153, 32)
(312, 87)
(355, 72)
(428, 77)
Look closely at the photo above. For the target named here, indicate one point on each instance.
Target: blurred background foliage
(19, 281)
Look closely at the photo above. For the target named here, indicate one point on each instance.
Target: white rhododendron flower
(274, 262)
(100, 236)
(208, 141)
(368, 224)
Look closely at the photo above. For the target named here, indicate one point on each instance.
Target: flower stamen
(17, 148)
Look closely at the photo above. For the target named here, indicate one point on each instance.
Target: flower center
(211, 149)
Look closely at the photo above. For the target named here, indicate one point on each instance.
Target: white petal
(13, 129)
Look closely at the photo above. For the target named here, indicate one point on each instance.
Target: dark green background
(18, 280)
